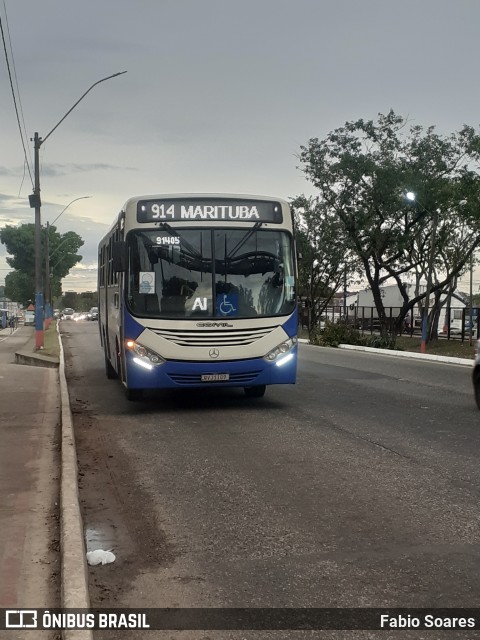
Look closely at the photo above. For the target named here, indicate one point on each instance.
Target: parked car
(93, 313)
(476, 374)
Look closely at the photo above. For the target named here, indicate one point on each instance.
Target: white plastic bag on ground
(99, 556)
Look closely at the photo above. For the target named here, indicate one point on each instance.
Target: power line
(18, 93)
(14, 97)
(18, 88)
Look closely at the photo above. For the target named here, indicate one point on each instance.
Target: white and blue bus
(199, 290)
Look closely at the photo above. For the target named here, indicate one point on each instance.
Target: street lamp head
(65, 208)
(410, 196)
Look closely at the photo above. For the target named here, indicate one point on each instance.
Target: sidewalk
(29, 462)
(42, 555)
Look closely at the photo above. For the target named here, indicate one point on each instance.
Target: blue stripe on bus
(291, 325)
(132, 329)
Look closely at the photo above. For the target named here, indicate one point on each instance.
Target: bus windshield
(186, 273)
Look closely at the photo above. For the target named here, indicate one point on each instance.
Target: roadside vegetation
(334, 334)
(453, 348)
(395, 203)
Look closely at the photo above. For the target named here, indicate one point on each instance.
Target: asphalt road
(358, 487)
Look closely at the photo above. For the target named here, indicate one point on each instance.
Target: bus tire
(476, 387)
(109, 370)
(134, 394)
(255, 392)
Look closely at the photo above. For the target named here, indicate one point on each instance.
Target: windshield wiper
(243, 240)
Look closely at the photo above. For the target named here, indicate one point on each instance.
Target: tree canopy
(20, 245)
(325, 264)
(362, 172)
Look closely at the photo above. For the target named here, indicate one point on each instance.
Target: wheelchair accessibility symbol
(227, 304)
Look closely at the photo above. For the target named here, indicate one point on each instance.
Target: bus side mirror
(119, 256)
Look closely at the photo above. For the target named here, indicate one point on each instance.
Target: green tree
(70, 300)
(86, 300)
(20, 244)
(20, 287)
(325, 261)
(362, 171)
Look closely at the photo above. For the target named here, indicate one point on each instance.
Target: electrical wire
(15, 99)
(23, 179)
(16, 84)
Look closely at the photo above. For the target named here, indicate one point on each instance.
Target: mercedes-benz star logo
(214, 353)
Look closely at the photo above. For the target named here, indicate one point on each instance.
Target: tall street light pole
(48, 287)
(471, 325)
(35, 203)
(423, 345)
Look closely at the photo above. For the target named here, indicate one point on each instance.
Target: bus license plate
(214, 377)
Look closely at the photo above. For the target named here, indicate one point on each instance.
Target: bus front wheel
(109, 370)
(476, 387)
(255, 392)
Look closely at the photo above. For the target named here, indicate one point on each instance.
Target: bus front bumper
(174, 374)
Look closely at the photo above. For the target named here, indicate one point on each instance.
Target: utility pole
(470, 332)
(46, 285)
(35, 203)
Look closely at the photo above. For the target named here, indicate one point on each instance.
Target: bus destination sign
(209, 210)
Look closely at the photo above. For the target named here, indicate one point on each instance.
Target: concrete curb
(409, 354)
(74, 572)
(29, 358)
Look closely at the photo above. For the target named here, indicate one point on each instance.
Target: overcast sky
(219, 94)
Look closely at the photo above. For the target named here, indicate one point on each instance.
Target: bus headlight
(143, 356)
(281, 354)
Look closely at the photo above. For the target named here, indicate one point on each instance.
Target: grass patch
(450, 348)
(453, 348)
(51, 346)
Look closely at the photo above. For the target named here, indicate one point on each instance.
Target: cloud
(12, 171)
(64, 169)
(16, 211)
(68, 169)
